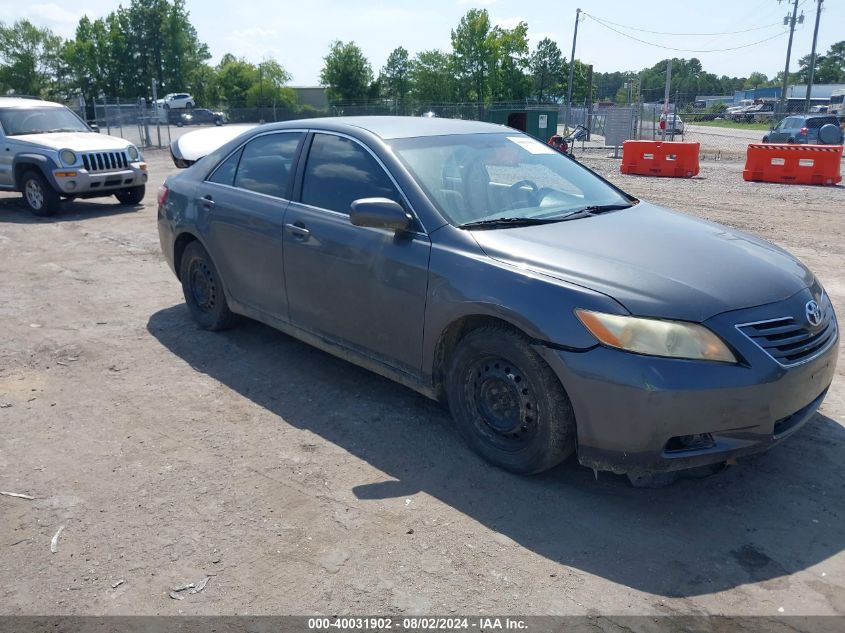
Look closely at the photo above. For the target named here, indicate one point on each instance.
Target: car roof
(27, 102)
(395, 127)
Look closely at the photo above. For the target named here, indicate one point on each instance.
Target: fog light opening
(690, 442)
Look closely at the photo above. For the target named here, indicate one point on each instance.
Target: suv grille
(790, 342)
(105, 161)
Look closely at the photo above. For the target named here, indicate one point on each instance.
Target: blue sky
(297, 34)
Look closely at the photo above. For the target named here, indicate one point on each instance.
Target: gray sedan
(554, 313)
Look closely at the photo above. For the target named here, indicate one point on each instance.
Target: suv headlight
(133, 152)
(68, 157)
(672, 339)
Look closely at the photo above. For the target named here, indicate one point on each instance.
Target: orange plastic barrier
(660, 158)
(797, 164)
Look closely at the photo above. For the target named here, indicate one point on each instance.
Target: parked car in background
(806, 128)
(755, 113)
(673, 123)
(51, 154)
(178, 101)
(200, 116)
(553, 313)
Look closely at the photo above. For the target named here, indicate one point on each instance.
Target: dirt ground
(299, 484)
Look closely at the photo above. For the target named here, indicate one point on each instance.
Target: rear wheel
(132, 195)
(38, 196)
(203, 290)
(507, 403)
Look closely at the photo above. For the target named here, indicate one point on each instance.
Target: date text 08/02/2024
(416, 624)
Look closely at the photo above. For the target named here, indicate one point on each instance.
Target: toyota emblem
(814, 313)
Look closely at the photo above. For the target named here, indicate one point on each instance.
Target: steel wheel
(203, 289)
(504, 404)
(203, 286)
(507, 403)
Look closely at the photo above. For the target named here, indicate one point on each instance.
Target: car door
(362, 288)
(244, 201)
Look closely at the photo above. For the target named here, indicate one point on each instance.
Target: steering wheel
(520, 197)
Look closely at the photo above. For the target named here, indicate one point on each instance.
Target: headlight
(68, 157)
(673, 339)
(133, 152)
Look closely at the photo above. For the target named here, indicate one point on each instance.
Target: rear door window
(267, 163)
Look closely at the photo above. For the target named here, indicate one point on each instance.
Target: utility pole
(813, 55)
(791, 22)
(640, 105)
(666, 95)
(589, 116)
(572, 69)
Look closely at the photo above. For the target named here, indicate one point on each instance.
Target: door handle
(207, 202)
(298, 231)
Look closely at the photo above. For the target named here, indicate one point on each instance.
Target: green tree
(346, 73)
(831, 67)
(509, 81)
(756, 80)
(474, 54)
(234, 79)
(396, 76)
(30, 59)
(432, 77)
(547, 70)
(268, 86)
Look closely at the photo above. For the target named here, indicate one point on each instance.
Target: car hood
(77, 141)
(655, 262)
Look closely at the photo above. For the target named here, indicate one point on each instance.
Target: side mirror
(94, 127)
(379, 213)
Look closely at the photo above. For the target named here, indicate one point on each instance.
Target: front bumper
(82, 183)
(636, 414)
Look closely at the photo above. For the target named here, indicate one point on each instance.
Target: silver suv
(49, 153)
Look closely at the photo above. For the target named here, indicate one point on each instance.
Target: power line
(633, 28)
(685, 50)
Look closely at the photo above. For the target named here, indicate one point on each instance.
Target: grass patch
(733, 124)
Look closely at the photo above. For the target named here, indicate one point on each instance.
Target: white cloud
(55, 17)
(508, 23)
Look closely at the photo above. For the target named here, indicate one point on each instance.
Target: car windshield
(18, 121)
(477, 178)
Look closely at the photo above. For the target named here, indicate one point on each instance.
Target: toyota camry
(554, 313)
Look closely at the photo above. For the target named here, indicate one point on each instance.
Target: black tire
(765, 139)
(132, 195)
(38, 196)
(507, 403)
(203, 289)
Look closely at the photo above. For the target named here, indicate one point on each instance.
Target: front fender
(22, 162)
(463, 282)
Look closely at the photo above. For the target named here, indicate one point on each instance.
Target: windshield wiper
(509, 222)
(603, 208)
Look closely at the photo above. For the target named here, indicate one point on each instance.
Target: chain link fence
(720, 135)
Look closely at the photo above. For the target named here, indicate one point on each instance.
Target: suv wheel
(507, 403)
(38, 196)
(132, 195)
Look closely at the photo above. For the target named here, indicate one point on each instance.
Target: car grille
(790, 342)
(105, 161)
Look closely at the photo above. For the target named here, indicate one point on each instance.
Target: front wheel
(132, 195)
(507, 403)
(38, 196)
(203, 290)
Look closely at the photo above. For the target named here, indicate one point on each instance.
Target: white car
(178, 101)
(672, 119)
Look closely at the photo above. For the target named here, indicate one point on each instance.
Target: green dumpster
(539, 122)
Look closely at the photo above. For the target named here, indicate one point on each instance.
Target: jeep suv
(49, 153)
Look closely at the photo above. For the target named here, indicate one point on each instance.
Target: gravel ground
(297, 483)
